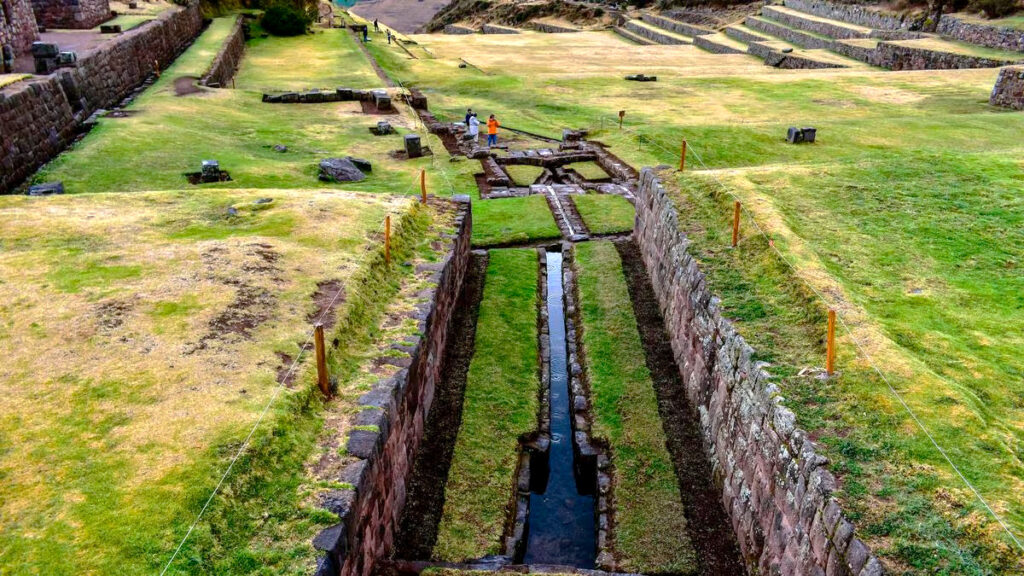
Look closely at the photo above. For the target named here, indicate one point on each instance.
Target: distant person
(492, 131)
(389, 37)
(474, 129)
(366, 37)
(376, 26)
(469, 113)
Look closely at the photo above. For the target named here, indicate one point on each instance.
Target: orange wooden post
(682, 157)
(736, 224)
(321, 359)
(622, 114)
(387, 240)
(156, 67)
(830, 350)
(423, 186)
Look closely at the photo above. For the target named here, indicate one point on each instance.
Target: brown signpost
(682, 157)
(321, 359)
(736, 224)
(830, 350)
(423, 186)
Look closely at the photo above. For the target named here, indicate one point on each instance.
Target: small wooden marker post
(156, 68)
(387, 240)
(423, 186)
(622, 114)
(321, 359)
(736, 224)
(830, 350)
(682, 157)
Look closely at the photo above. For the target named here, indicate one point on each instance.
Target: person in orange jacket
(492, 131)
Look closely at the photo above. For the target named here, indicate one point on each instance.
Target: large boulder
(340, 170)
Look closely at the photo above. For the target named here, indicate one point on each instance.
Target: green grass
(512, 220)
(501, 403)
(524, 175)
(650, 524)
(605, 213)
(589, 170)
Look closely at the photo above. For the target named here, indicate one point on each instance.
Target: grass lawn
(501, 403)
(605, 213)
(905, 213)
(512, 220)
(143, 335)
(589, 170)
(524, 175)
(650, 525)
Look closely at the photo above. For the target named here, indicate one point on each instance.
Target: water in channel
(561, 525)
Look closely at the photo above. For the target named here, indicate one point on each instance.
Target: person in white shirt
(474, 128)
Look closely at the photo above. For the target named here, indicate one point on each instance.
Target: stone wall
(710, 45)
(676, 26)
(398, 407)
(495, 29)
(1009, 88)
(41, 117)
(776, 489)
(226, 64)
(456, 29)
(851, 13)
(797, 37)
(981, 34)
(778, 59)
(652, 34)
(17, 25)
(549, 28)
(897, 57)
(77, 14)
(811, 25)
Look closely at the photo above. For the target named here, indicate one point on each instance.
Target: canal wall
(391, 423)
(775, 487)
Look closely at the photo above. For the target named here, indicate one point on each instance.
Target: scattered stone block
(382, 100)
(110, 29)
(798, 135)
(211, 170)
(47, 189)
(280, 148)
(641, 78)
(383, 128)
(363, 165)
(413, 145)
(340, 170)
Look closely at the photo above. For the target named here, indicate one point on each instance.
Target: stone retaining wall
(226, 64)
(455, 29)
(495, 29)
(17, 25)
(370, 513)
(807, 24)
(869, 55)
(549, 28)
(653, 35)
(778, 59)
(1009, 88)
(776, 489)
(797, 37)
(41, 117)
(850, 13)
(77, 14)
(706, 43)
(981, 34)
(743, 35)
(897, 57)
(676, 26)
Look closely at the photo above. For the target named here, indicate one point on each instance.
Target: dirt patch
(328, 296)
(417, 531)
(250, 308)
(707, 524)
(370, 107)
(185, 85)
(285, 374)
(111, 314)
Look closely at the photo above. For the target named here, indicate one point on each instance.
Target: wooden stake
(321, 360)
(736, 224)
(682, 157)
(387, 240)
(423, 186)
(156, 67)
(622, 114)
(830, 350)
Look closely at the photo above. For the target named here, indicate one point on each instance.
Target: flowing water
(561, 525)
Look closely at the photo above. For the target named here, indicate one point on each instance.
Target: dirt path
(417, 530)
(405, 16)
(707, 524)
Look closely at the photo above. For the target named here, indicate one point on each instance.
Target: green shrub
(283, 19)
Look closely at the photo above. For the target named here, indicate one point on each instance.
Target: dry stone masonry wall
(812, 25)
(775, 487)
(1009, 88)
(226, 64)
(991, 36)
(898, 57)
(42, 116)
(851, 13)
(397, 407)
(676, 26)
(652, 34)
(708, 43)
(17, 25)
(78, 14)
(798, 37)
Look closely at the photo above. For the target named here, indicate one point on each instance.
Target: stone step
(742, 33)
(655, 34)
(719, 43)
(631, 37)
(822, 26)
(672, 25)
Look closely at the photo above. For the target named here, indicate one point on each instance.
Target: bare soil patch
(185, 85)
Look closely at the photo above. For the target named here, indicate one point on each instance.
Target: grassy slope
(121, 294)
(502, 390)
(650, 526)
(605, 213)
(918, 152)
